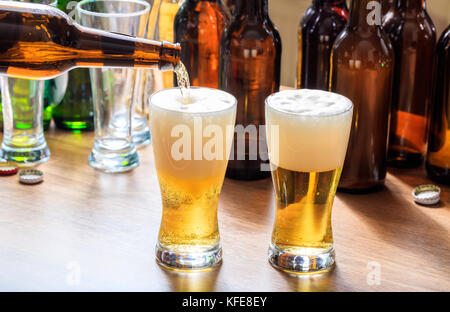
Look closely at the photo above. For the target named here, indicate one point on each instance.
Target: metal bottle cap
(427, 194)
(31, 176)
(7, 168)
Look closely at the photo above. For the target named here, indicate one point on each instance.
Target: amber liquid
(44, 42)
(438, 157)
(183, 82)
(198, 28)
(413, 37)
(362, 70)
(304, 202)
(319, 27)
(250, 70)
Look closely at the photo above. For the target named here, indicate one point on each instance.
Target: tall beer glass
(307, 136)
(191, 144)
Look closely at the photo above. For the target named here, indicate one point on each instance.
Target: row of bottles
(382, 60)
(239, 54)
(384, 64)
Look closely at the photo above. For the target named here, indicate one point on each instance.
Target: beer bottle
(76, 111)
(438, 157)
(53, 44)
(198, 28)
(362, 68)
(250, 70)
(318, 29)
(413, 37)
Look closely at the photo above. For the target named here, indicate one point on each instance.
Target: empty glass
(23, 139)
(114, 89)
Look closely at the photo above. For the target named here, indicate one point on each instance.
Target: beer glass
(23, 139)
(307, 135)
(191, 145)
(118, 124)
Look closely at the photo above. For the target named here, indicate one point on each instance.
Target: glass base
(26, 156)
(187, 260)
(303, 261)
(141, 137)
(112, 162)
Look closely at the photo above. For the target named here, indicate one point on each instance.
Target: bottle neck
(115, 50)
(253, 8)
(359, 15)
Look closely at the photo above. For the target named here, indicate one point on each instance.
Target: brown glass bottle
(413, 37)
(199, 25)
(40, 42)
(438, 157)
(250, 70)
(318, 29)
(362, 69)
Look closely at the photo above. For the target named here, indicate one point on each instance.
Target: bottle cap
(427, 194)
(31, 176)
(8, 168)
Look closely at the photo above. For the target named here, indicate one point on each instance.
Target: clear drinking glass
(191, 145)
(113, 89)
(307, 136)
(23, 139)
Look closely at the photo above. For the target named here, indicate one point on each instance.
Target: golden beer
(191, 144)
(307, 135)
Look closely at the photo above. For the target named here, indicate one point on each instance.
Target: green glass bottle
(75, 112)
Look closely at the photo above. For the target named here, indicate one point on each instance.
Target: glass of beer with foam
(192, 138)
(307, 136)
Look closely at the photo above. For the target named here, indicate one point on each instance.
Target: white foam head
(313, 129)
(307, 102)
(201, 100)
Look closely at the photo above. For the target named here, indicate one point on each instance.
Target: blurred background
(286, 16)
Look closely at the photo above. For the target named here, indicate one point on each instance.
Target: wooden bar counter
(84, 230)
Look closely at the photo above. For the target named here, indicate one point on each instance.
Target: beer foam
(313, 129)
(307, 102)
(201, 100)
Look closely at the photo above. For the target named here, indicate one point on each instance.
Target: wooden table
(84, 230)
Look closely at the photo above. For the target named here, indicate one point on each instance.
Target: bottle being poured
(183, 82)
(42, 42)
